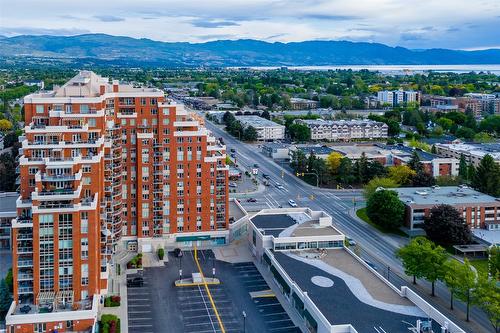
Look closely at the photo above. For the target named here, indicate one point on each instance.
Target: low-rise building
(317, 150)
(373, 152)
(480, 211)
(345, 130)
(303, 104)
(432, 163)
(276, 150)
(266, 129)
(302, 257)
(472, 152)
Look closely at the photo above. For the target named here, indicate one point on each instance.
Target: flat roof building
(266, 129)
(276, 150)
(480, 211)
(302, 257)
(303, 104)
(473, 152)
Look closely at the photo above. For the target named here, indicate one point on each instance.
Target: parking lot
(273, 315)
(198, 314)
(139, 308)
(159, 306)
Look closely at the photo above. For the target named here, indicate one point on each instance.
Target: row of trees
(422, 258)
(235, 128)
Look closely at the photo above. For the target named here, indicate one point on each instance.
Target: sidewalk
(117, 285)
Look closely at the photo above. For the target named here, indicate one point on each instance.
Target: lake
(397, 69)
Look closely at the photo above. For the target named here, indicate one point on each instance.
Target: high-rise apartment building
(104, 163)
(398, 97)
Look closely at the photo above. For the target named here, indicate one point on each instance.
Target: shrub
(161, 253)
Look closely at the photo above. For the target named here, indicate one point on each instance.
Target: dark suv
(135, 282)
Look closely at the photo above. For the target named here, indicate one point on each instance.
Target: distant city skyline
(455, 24)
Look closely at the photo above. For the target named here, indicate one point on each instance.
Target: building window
(40, 109)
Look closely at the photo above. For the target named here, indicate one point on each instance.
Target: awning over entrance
(192, 238)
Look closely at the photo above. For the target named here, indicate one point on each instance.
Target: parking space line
(140, 325)
(263, 305)
(274, 314)
(139, 311)
(141, 318)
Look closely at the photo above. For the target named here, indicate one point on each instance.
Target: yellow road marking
(208, 291)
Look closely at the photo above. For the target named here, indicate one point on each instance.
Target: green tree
(462, 168)
(345, 175)
(250, 134)
(411, 257)
(377, 182)
(385, 209)
(433, 266)
(7, 172)
(451, 278)
(361, 170)
(465, 133)
(461, 279)
(446, 226)
(487, 177)
(414, 163)
(423, 178)
(5, 298)
(266, 115)
(494, 262)
(9, 279)
(401, 174)
(299, 132)
(487, 297)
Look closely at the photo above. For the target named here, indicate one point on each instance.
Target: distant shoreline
(410, 69)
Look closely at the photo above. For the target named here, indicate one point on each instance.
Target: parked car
(278, 185)
(292, 203)
(255, 165)
(178, 252)
(265, 175)
(233, 184)
(135, 282)
(351, 242)
(233, 150)
(251, 200)
(233, 155)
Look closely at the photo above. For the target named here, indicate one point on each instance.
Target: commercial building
(473, 153)
(7, 213)
(478, 210)
(303, 104)
(373, 152)
(317, 150)
(432, 164)
(345, 130)
(266, 129)
(276, 150)
(104, 163)
(398, 97)
(327, 287)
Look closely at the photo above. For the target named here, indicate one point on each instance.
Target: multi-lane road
(375, 247)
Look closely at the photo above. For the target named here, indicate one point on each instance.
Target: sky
(416, 24)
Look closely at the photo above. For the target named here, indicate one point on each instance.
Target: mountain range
(221, 53)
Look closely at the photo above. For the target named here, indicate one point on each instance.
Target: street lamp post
(180, 267)
(244, 321)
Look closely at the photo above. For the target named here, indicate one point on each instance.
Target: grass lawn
(480, 264)
(361, 213)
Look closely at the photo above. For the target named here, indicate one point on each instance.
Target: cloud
(201, 23)
(14, 31)
(108, 18)
(327, 17)
(215, 37)
(411, 36)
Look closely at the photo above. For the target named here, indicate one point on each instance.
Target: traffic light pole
(309, 173)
